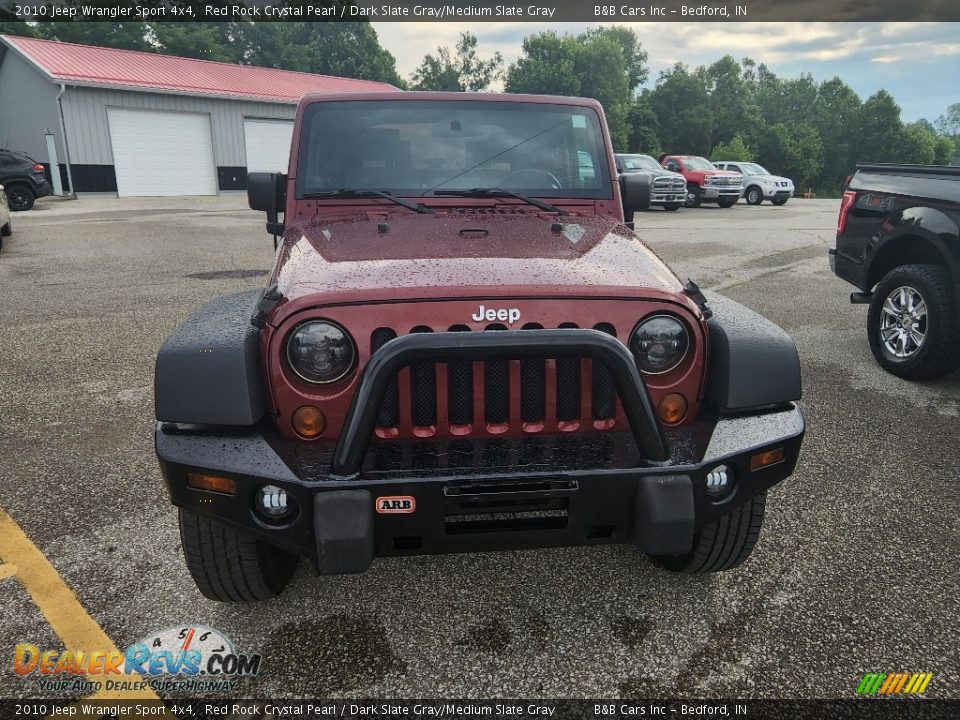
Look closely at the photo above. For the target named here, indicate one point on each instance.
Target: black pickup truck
(898, 241)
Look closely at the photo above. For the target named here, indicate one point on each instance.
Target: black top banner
(540, 11)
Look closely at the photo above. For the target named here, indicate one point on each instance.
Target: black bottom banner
(865, 709)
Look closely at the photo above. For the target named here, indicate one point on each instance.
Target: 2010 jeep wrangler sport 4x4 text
(463, 346)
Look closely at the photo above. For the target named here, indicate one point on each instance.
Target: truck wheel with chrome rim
(912, 322)
(693, 196)
(754, 195)
(722, 544)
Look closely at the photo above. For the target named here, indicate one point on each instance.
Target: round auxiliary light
(672, 408)
(320, 351)
(719, 481)
(660, 343)
(309, 421)
(273, 502)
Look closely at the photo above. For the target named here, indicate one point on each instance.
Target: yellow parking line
(59, 604)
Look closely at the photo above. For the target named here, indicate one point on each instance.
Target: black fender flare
(754, 363)
(208, 370)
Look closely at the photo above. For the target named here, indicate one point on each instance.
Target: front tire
(672, 206)
(722, 544)
(779, 201)
(231, 566)
(693, 196)
(20, 197)
(912, 322)
(7, 230)
(753, 195)
(724, 203)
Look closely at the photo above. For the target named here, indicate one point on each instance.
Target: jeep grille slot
(568, 386)
(604, 393)
(389, 414)
(496, 388)
(533, 386)
(460, 388)
(423, 390)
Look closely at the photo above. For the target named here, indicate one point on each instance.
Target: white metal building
(138, 123)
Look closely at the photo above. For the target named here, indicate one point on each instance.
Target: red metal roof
(88, 65)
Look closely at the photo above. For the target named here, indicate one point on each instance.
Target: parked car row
(692, 180)
(23, 179)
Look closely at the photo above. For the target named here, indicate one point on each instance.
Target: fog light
(308, 421)
(672, 408)
(719, 480)
(273, 502)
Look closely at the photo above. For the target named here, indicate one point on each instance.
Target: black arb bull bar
(658, 504)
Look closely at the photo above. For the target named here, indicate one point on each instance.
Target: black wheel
(230, 565)
(912, 322)
(727, 202)
(779, 201)
(722, 544)
(20, 197)
(753, 195)
(693, 196)
(672, 206)
(7, 230)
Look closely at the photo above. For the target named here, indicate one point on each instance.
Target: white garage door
(161, 153)
(268, 144)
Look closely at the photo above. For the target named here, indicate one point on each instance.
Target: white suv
(759, 184)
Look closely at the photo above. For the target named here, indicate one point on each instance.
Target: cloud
(901, 57)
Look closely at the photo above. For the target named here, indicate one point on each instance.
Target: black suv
(22, 178)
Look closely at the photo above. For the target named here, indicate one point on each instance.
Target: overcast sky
(918, 63)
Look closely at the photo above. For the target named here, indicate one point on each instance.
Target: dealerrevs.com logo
(192, 658)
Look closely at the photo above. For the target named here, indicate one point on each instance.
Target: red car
(705, 183)
(464, 346)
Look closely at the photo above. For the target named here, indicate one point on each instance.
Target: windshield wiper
(500, 192)
(364, 192)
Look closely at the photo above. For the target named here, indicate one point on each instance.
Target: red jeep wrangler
(463, 346)
(705, 183)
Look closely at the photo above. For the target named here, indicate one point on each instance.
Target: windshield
(412, 148)
(697, 163)
(753, 169)
(639, 162)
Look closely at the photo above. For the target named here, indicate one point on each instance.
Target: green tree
(461, 72)
(881, 130)
(836, 117)
(793, 151)
(680, 101)
(732, 106)
(736, 149)
(946, 151)
(590, 65)
(634, 56)
(204, 41)
(917, 145)
(949, 122)
(643, 124)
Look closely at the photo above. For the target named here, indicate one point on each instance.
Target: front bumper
(646, 486)
(710, 193)
(667, 197)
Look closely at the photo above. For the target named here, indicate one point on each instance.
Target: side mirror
(635, 194)
(267, 192)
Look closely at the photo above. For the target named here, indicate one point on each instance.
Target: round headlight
(320, 351)
(659, 343)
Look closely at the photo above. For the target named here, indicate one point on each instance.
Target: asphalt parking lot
(857, 569)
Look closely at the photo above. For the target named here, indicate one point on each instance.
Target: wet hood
(403, 255)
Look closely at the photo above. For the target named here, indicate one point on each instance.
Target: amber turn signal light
(672, 408)
(211, 483)
(308, 421)
(762, 460)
